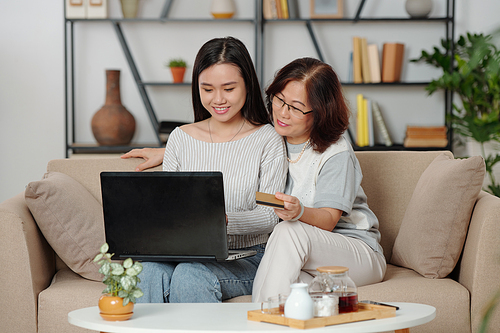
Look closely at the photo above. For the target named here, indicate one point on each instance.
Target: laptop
(166, 216)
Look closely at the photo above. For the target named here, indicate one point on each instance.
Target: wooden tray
(365, 312)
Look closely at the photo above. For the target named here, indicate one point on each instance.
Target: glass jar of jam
(335, 280)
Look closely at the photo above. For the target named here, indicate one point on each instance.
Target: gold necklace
(301, 152)
(210, 132)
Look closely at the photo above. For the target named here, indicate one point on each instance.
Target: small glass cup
(274, 305)
(325, 305)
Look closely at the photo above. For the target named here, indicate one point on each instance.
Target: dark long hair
(324, 96)
(229, 50)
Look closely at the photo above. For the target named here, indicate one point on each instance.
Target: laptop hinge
(154, 257)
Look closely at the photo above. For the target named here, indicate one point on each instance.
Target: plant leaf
(104, 248)
(127, 282)
(128, 263)
(116, 269)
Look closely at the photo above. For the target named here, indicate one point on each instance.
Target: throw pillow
(70, 219)
(435, 224)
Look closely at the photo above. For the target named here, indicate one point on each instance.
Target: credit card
(266, 199)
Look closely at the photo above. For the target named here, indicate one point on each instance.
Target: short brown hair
(324, 95)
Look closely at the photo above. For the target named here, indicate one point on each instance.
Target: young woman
(327, 221)
(232, 134)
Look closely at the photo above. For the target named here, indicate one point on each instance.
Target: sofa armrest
(480, 264)
(28, 266)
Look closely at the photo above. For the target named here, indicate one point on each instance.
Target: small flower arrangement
(176, 63)
(120, 278)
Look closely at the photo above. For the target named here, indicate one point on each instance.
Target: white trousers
(296, 249)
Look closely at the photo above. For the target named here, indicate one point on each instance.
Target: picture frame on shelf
(326, 8)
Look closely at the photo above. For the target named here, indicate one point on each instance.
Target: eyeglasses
(297, 113)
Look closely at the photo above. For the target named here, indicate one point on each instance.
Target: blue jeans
(198, 282)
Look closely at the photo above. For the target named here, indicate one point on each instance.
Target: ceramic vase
(222, 9)
(178, 74)
(111, 308)
(113, 124)
(418, 8)
(299, 304)
(129, 8)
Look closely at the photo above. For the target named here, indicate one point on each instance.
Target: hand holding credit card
(266, 199)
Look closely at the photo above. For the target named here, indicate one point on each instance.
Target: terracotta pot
(113, 125)
(112, 308)
(178, 74)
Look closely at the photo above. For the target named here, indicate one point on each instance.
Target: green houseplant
(473, 74)
(120, 278)
(178, 68)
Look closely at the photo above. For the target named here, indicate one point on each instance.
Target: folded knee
(285, 232)
(193, 282)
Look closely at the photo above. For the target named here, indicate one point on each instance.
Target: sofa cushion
(435, 223)
(71, 220)
(450, 298)
(67, 292)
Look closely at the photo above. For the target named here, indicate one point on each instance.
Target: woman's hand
(153, 157)
(324, 218)
(292, 206)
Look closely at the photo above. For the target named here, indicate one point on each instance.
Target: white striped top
(254, 163)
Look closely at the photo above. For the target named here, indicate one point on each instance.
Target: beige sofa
(38, 290)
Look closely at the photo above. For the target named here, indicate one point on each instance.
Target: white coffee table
(232, 317)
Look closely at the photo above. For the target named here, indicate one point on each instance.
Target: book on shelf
(280, 9)
(267, 10)
(436, 142)
(426, 136)
(293, 9)
(360, 131)
(368, 120)
(392, 61)
(379, 120)
(364, 126)
(284, 9)
(426, 131)
(369, 115)
(277, 3)
(374, 63)
(350, 73)
(356, 60)
(365, 65)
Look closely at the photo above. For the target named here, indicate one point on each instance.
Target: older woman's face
(295, 130)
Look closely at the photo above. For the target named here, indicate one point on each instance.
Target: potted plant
(121, 280)
(178, 68)
(473, 74)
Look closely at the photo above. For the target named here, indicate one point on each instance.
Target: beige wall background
(32, 68)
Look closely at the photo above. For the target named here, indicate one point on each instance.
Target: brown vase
(111, 308)
(113, 125)
(178, 74)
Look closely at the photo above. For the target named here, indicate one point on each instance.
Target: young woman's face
(222, 91)
(294, 129)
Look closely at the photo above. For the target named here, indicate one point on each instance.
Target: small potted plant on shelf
(178, 68)
(474, 75)
(121, 280)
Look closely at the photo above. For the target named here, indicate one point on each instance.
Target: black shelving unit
(258, 25)
(70, 132)
(449, 23)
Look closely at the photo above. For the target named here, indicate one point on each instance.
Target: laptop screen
(164, 215)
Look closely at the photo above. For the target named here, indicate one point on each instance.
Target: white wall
(32, 68)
